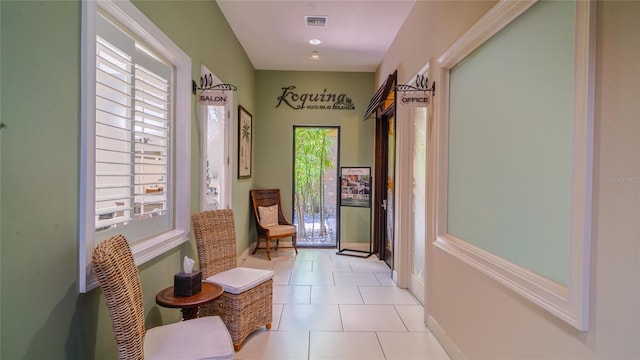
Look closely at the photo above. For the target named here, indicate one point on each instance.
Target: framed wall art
(245, 135)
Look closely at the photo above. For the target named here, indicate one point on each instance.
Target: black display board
(355, 191)
(355, 186)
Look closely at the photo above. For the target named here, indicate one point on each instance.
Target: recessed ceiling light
(314, 56)
(315, 42)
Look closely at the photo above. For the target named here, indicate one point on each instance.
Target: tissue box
(187, 284)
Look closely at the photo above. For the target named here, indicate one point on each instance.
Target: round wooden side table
(189, 304)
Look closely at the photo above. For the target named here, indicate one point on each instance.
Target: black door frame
(382, 171)
(337, 166)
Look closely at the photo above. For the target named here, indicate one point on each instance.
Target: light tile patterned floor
(329, 306)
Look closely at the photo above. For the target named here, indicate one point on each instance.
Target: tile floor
(329, 306)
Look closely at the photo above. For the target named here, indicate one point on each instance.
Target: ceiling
(356, 37)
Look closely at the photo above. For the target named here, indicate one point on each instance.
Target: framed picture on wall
(245, 134)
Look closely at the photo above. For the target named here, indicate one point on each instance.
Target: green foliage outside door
(315, 212)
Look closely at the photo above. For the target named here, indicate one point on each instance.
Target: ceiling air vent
(315, 21)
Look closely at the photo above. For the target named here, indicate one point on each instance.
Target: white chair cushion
(268, 215)
(240, 279)
(281, 230)
(202, 338)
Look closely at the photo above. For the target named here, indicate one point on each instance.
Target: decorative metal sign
(212, 97)
(314, 101)
(212, 94)
(415, 99)
(422, 84)
(418, 95)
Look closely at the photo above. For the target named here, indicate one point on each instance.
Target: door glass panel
(419, 190)
(216, 143)
(316, 185)
(215, 169)
(391, 165)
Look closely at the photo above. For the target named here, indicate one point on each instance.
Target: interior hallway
(329, 306)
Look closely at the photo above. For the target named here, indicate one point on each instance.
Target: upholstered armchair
(271, 223)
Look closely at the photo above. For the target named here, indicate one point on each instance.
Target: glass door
(216, 147)
(388, 201)
(315, 185)
(420, 136)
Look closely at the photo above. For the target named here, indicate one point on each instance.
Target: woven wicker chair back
(267, 197)
(215, 234)
(120, 282)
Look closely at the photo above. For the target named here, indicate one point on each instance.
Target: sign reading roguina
(314, 101)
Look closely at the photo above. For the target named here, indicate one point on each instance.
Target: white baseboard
(444, 340)
(245, 254)
(248, 251)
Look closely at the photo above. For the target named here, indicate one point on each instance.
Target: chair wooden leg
(268, 326)
(237, 347)
(257, 246)
(294, 242)
(268, 248)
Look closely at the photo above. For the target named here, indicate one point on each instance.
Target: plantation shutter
(133, 136)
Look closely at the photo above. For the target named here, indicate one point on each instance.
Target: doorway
(384, 214)
(316, 153)
(384, 103)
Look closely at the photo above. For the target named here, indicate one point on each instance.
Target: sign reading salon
(213, 97)
(324, 100)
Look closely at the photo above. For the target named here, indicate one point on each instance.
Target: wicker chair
(278, 227)
(247, 301)
(118, 276)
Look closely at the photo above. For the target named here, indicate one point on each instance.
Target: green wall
(273, 155)
(42, 314)
(203, 33)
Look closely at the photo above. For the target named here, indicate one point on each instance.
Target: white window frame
(179, 190)
(569, 303)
